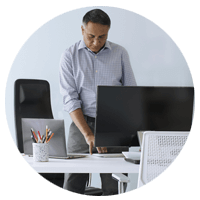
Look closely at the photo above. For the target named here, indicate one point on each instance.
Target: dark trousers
(77, 182)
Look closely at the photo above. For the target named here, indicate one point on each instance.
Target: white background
(155, 59)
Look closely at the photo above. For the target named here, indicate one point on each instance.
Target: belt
(90, 119)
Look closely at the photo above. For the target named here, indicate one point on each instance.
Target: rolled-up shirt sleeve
(68, 88)
(128, 78)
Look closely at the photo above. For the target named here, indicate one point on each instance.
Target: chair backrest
(31, 100)
(159, 149)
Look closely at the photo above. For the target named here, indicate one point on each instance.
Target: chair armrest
(121, 178)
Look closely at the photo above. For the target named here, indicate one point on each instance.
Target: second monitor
(122, 111)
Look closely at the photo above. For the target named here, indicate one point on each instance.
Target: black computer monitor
(122, 111)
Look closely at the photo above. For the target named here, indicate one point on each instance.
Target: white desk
(89, 164)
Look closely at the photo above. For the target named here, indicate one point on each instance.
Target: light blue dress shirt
(81, 71)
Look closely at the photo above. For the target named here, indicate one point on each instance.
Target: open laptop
(57, 145)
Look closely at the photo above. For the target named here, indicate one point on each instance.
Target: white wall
(155, 58)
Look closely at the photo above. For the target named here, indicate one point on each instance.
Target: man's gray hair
(96, 16)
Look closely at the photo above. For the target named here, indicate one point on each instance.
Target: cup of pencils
(40, 152)
(40, 145)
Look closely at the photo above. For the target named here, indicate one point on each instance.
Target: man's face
(95, 35)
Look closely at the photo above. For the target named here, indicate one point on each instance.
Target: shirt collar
(82, 45)
(107, 45)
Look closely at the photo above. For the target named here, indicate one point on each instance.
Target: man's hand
(78, 118)
(89, 138)
(90, 141)
(102, 149)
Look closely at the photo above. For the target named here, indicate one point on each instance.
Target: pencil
(50, 137)
(34, 134)
(46, 133)
(39, 135)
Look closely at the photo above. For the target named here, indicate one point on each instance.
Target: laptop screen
(57, 145)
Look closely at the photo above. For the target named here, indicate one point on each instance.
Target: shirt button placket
(95, 71)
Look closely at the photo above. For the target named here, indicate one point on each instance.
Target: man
(90, 62)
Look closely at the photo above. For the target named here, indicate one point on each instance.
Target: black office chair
(32, 100)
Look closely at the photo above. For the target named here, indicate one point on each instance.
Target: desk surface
(88, 164)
